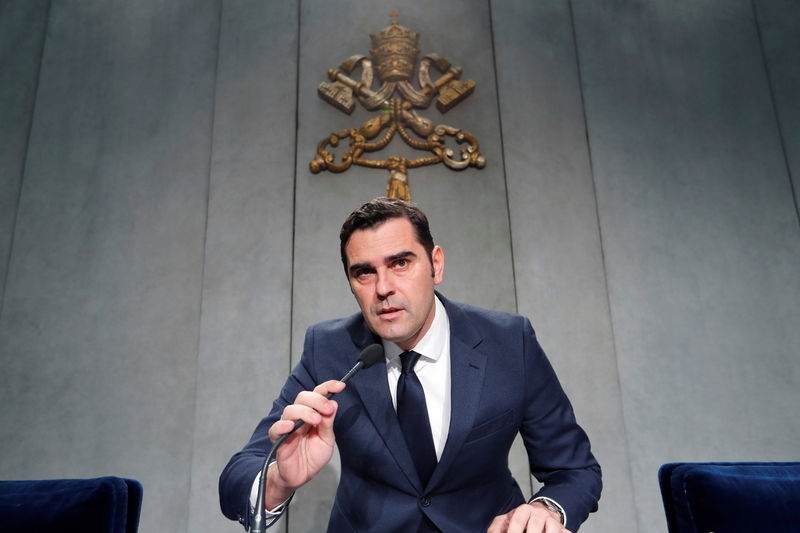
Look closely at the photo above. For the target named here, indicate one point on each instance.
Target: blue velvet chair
(731, 497)
(99, 505)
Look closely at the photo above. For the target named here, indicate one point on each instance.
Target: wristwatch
(553, 506)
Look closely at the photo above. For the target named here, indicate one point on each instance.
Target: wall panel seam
(602, 244)
(775, 110)
(199, 333)
(294, 181)
(13, 228)
(294, 208)
(505, 177)
(503, 156)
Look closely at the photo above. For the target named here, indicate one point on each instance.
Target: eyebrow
(388, 259)
(399, 255)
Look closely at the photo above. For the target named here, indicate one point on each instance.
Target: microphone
(368, 357)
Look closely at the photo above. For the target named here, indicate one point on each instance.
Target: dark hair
(376, 212)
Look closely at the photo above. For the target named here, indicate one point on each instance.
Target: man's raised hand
(309, 448)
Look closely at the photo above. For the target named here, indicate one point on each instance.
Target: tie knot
(408, 360)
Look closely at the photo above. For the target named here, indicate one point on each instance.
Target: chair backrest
(98, 505)
(731, 497)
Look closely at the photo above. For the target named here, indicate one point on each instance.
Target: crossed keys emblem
(394, 56)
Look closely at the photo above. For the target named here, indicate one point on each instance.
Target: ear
(437, 260)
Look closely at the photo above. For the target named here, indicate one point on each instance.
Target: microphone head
(370, 355)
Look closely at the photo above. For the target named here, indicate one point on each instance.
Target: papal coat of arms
(393, 58)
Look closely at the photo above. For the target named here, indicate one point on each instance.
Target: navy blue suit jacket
(501, 385)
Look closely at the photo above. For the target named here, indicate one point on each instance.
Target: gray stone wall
(163, 245)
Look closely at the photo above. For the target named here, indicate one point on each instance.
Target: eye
(401, 263)
(362, 274)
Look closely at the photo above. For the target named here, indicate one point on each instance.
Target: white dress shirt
(432, 370)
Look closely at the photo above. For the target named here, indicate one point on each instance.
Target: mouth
(389, 312)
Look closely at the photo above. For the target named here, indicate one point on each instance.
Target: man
(471, 378)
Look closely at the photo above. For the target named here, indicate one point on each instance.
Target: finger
(307, 414)
(523, 520)
(329, 387)
(315, 401)
(281, 427)
(538, 522)
(499, 524)
(553, 526)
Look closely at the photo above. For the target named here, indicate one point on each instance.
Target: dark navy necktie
(413, 415)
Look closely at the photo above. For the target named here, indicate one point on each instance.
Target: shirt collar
(432, 343)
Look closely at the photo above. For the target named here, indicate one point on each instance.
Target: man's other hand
(309, 448)
(528, 518)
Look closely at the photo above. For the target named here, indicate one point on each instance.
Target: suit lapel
(467, 370)
(373, 390)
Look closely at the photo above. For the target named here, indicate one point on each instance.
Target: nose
(384, 286)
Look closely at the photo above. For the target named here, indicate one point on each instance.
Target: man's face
(390, 275)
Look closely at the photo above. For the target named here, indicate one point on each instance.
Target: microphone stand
(259, 517)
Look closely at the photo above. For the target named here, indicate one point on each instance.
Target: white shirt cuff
(554, 505)
(277, 511)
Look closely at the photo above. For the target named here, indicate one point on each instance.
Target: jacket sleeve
(236, 479)
(558, 449)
